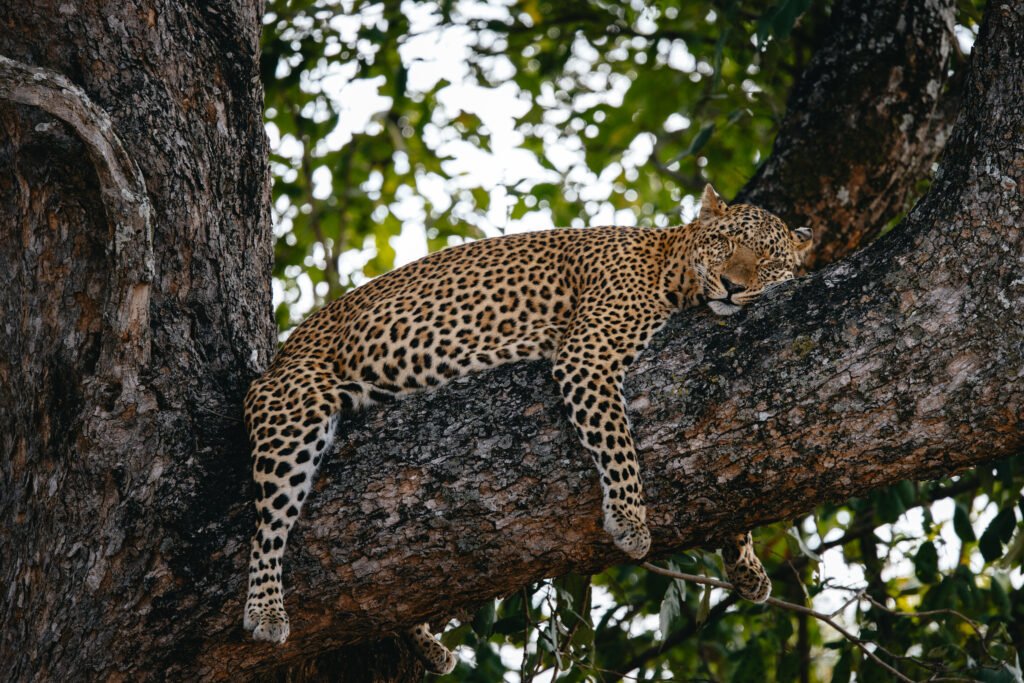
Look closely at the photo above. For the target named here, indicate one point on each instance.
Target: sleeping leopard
(587, 300)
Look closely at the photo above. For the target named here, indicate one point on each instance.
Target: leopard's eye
(718, 249)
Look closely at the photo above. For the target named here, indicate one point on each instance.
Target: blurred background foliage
(402, 127)
(618, 107)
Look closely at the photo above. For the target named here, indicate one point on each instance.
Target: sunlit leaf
(705, 605)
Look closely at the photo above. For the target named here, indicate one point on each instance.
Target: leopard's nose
(730, 286)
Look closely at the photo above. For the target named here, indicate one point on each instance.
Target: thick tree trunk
(121, 374)
(126, 503)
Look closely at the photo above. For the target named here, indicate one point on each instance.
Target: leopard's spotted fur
(587, 300)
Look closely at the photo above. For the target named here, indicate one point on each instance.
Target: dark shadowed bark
(127, 343)
(126, 504)
(863, 124)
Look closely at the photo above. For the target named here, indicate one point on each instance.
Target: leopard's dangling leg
(744, 570)
(438, 659)
(593, 397)
(291, 418)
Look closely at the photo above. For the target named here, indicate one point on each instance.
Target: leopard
(587, 300)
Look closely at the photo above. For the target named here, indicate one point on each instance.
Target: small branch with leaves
(869, 648)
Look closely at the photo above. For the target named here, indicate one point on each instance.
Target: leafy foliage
(622, 106)
(927, 597)
(624, 109)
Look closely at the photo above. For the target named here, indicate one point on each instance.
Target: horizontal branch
(903, 361)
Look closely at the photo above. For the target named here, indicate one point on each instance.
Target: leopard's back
(469, 307)
(588, 300)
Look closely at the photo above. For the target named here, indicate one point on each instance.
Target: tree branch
(903, 361)
(799, 609)
(863, 123)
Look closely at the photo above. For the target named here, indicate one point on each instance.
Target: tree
(127, 495)
(129, 342)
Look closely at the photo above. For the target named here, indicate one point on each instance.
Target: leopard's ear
(711, 206)
(804, 239)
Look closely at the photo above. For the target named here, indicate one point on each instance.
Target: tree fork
(863, 124)
(131, 560)
(869, 372)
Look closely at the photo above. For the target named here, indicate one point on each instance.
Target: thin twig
(792, 607)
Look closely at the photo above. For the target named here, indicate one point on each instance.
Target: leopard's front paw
(438, 659)
(269, 623)
(750, 580)
(444, 664)
(273, 629)
(744, 570)
(631, 536)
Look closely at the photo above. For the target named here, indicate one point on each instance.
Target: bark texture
(121, 375)
(864, 123)
(904, 361)
(127, 510)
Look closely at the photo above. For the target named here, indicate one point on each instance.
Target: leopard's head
(740, 252)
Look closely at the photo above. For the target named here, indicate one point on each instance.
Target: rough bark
(127, 515)
(904, 361)
(121, 375)
(863, 124)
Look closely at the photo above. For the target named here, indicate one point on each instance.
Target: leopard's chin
(723, 307)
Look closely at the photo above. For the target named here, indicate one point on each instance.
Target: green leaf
(552, 639)
(460, 635)
(1000, 598)
(1001, 675)
(705, 606)
(716, 61)
(890, 505)
(1014, 553)
(786, 16)
(483, 620)
(926, 563)
(962, 524)
(788, 668)
(804, 548)
(907, 493)
(698, 142)
(841, 671)
(669, 610)
(990, 546)
(509, 625)
(573, 601)
(1005, 522)
(783, 629)
(752, 667)
(999, 531)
